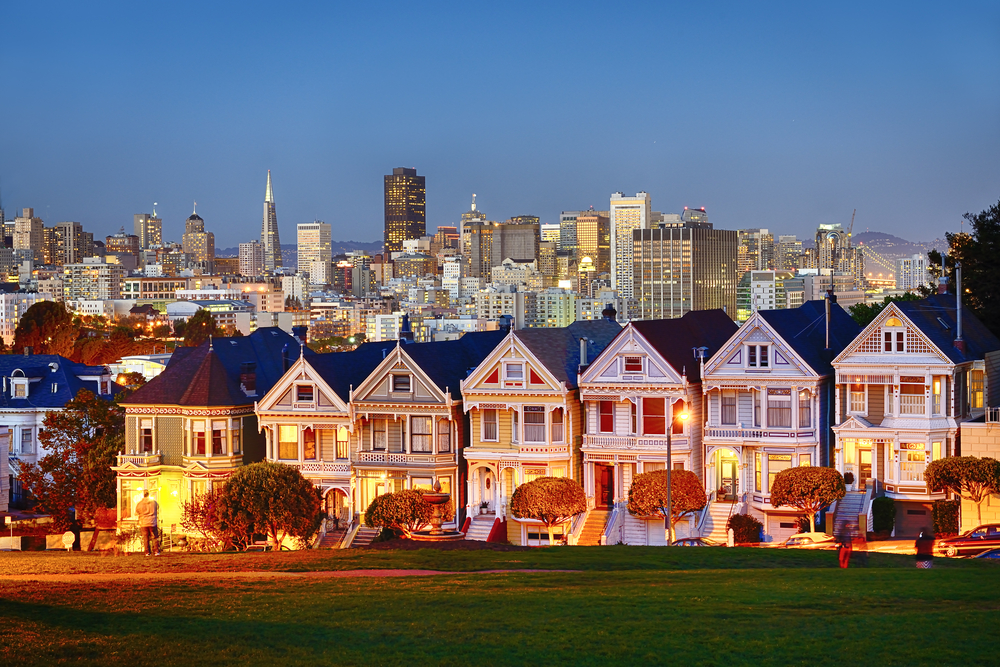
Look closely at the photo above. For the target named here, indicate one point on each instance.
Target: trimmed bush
(807, 488)
(403, 511)
(945, 513)
(883, 515)
(848, 477)
(551, 500)
(648, 494)
(746, 529)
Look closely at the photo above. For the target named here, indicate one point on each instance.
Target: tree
(199, 327)
(648, 495)
(273, 499)
(808, 489)
(402, 511)
(200, 515)
(47, 328)
(82, 441)
(968, 477)
(551, 500)
(865, 313)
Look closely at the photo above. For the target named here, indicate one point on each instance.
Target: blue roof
(804, 329)
(936, 317)
(47, 370)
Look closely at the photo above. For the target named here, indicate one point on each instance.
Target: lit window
(309, 444)
(654, 419)
(288, 441)
(199, 438)
(728, 408)
(218, 438)
(444, 436)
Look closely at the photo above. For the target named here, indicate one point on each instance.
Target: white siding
(744, 402)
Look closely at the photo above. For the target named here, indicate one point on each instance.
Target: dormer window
(20, 389)
(304, 393)
(633, 364)
(401, 383)
(758, 356)
(893, 335)
(514, 372)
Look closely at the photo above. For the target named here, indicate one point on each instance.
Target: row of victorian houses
(596, 401)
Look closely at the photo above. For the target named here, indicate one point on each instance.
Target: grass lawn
(629, 605)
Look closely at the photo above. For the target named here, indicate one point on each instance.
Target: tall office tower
(834, 251)
(593, 239)
(29, 231)
(198, 243)
(547, 258)
(627, 214)
(269, 230)
(149, 229)
(680, 267)
(468, 216)
(524, 220)
(911, 272)
(50, 247)
(72, 244)
(447, 237)
(478, 251)
(567, 232)
(756, 251)
(405, 208)
(515, 240)
(252, 258)
(314, 249)
(788, 253)
(550, 231)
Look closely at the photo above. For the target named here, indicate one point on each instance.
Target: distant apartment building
(515, 273)
(495, 302)
(122, 244)
(626, 214)
(765, 290)
(451, 276)
(252, 259)
(224, 311)
(554, 307)
(912, 272)
(29, 232)
(13, 305)
(149, 230)
(756, 250)
(478, 248)
(787, 253)
(593, 239)
(551, 232)
(93, 278)
(314, 250)
(516, 239)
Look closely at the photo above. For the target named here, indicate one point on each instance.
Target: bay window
(557, 425)
(343, 440)
(146, 436)
(421, 434)
(218, 438)
(677, 424)
(379, 435)
(654, 416)
(235, 434)
(805, 409)
(534, 423)
(490, 425)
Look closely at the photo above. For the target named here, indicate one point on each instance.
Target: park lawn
(750, 614)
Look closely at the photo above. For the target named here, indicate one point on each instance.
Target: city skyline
(853, 108)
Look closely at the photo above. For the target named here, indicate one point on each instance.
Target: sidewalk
(895, 545)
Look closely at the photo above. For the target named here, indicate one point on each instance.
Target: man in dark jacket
(925, 550)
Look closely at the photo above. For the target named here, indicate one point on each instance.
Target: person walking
(844, 547)
(146, 510)
(925, 550)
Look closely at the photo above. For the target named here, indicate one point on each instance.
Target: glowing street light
(682, 417)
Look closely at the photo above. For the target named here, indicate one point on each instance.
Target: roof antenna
(195, 211)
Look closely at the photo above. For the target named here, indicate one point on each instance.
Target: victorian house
(769, 398)
(641, 393)
(525, 421)
(903, 388)
(190, 427)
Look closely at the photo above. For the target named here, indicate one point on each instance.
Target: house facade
(633, 396)
(903, 388)
(769, 406)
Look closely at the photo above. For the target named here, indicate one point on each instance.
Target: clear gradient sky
(781, 116)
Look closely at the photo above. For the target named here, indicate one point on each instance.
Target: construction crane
(850, 230)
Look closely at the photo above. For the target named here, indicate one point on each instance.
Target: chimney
(300, 333)
(27, 350)
(583, 355)
(959, 341)
(609, 313)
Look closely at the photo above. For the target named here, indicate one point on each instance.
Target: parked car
(810, 541)
(972, 542)
(696, 542)
(993, 554)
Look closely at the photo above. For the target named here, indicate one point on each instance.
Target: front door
(864, 468)
(487, 491)
(728, 478)
(604, 481)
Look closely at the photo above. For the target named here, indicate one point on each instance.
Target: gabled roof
(804, 329)
(559, 349)
(209, 375)
(344, 370)
(48, 370)
(675, 339)
(935, 316)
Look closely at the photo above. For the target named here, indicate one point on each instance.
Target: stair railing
(705, 513)
(350, 534)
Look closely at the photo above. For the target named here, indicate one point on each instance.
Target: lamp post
(670, 465)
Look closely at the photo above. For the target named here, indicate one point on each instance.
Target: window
(288, 441)
(557, 425)
(490, 425)
(606, 417)
(343, 440)
(26, 443)
(757, 356)
(805, 460)
(633, 364)
(654, 416)
(892, 332)
(758, 461)
(634, 414)
(444, 436)
(912, 462)
(199, 438)
(756, 409)
(218, 438)
(676, 411)
(912, 395)
(421, 435)
(304, 393)
(728, 408)
(20, 390)
(515, 428)
(309, 444)
(779, 408)
(534, 423)
(805, 409)
(936, 394)
(775, 464)
(858, 398)
(401, 383)
(146, 436)
(975, 389)
(235, 435)
(379, 435)
(935, 451)
(514, 372)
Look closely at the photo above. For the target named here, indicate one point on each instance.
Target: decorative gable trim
(756, 330)
(870, 340)
(608, 367)
(536, 377)
(422, 387)
(281, 396)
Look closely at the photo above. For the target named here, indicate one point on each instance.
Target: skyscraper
(314, 251)
(593, 239)
(567, 232)
(478, 249)
(198, 243)
(627, 214)
(28, 231)
(405, 208)
(515, 240)
(269, 230)
(756, 250)
(149, 229)
(787, 253)
(251, 258)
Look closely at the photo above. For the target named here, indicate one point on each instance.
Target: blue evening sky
(769, 115)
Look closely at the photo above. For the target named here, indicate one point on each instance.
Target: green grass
(630, 605)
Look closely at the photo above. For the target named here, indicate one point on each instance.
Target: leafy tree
(551, 500)
(81, 442)
(968, 477)
(199, 327)
(273, 499)
(200, 516)
(47, 328)
(648, 495)
(807, 488)
(865, 313)
(403, 511)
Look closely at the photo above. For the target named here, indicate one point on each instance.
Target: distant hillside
(894, 247)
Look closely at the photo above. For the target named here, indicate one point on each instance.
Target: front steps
(717, 520)
(480, 527)
(594, 528)
(845, 521)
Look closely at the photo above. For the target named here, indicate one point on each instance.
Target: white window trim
(482, 426)
(759, 346)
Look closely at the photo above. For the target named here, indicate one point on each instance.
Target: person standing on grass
(925, 550)
(146, 510)
(844, 550)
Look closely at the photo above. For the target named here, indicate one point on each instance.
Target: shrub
(648, 494)
(945, 513)
(746, 529)
(807, 488)
(883, 515)
(200, 519)
(803, 524)
(848, 477)
(551, 500)
(402, 511)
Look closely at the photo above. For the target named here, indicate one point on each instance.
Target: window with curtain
(379, 435)
(534, 423)
(444, 436)
(421, 434)
(606, 416)
(218, 438)
(515, 428)
(805, 409)
(633, 410)
(779, 408)
(309, 444)
(729, 407)
(758, 461)
(490, 425)
(198, 435)
(236, 435)
(146, 436)
(654, 418)
(678, 424)
(288, 441)
(775, 464)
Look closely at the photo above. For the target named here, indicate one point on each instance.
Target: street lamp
(670, 465)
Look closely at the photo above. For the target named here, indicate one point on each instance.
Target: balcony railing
(140, 460)
(403, 459)
(654, 443)
(322, 466)
(912, 404)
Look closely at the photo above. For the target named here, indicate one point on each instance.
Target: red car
(971, 543)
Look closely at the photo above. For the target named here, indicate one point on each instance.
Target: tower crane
(850, 230)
